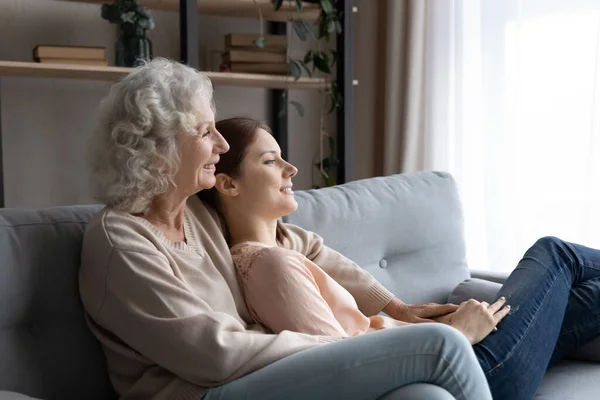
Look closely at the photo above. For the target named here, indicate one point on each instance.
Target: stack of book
(243, 55)
(69, 55)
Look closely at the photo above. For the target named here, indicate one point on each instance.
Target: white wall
(46, 122)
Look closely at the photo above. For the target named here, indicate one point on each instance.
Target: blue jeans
(554, 294)
(370, 367)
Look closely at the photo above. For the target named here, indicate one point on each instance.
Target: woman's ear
(226, 185)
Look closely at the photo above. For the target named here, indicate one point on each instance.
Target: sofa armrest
(498, 277)
(474, 288)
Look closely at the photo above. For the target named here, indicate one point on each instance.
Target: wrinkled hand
(418, 313)
(476, 320)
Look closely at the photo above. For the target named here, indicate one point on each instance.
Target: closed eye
(205, 134)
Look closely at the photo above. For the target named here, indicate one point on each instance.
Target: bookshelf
(234, 8)
(39, 70)
(189, 11)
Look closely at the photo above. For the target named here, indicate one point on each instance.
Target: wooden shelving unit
(234, 8)
(38, 70)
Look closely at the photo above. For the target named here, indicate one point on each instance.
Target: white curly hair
(133, 152)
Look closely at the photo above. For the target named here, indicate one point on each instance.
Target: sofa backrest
(406, 230)
(46, 349)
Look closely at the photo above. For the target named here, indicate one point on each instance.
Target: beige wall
(46, 122)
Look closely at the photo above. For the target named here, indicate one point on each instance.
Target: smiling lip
(287, 189)
(211, 166)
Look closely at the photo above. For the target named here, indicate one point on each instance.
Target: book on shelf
(258, 68)
(72, 61)
(247, 40)
(69, 52)
(250, 56)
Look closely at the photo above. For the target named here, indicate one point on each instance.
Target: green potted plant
(134, 23)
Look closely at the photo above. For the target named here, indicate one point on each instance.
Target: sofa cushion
(46, 348)
(570, 380)
(406, 230)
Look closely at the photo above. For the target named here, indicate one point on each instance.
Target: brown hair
(240, 133)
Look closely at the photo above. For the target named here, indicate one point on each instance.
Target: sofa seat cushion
(571, 380)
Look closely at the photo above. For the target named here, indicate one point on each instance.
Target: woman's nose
(221, 145)
(291, 170)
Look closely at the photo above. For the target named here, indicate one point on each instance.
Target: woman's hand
(417, 313)
(476, 320)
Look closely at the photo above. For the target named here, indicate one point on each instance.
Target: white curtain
(511, 107)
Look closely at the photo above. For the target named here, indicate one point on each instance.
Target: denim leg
(516, 357)
(368, 367)
(582, 319)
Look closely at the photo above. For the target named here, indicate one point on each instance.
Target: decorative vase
(133, 45)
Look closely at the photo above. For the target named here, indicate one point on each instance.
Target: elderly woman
(160, 289)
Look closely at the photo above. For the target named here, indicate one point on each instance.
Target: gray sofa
(405, 229)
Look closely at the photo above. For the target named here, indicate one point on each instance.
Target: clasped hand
(476, 320)
(472, 318)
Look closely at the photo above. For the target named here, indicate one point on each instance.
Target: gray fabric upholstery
(571, 380)
(418, 391)
(492, 276)
(46, 349)
(477, 289)
(14, 396)
(403, 229)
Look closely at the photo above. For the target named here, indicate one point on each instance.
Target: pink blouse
(284, 290)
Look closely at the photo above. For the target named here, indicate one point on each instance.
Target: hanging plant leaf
(332, 104)
(329, 163)
(338, 27)
(110, 13)
(282, 110)
(299, 107)
(322, 28)
(283, 104)
(331, 26)
(332, 149)
(128, 17)
(277, 4)
(308, 57)
(326, 6)
(260, 42)
(300, 29)
(321, 62)
(334, 57)
(305, 67)
(330, 181)
(310, 28)
(335, 96)
(295, 69)
(299, 5)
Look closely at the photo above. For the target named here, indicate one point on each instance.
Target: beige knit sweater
(171, 317)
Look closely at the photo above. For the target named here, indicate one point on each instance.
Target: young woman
(554, 291)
